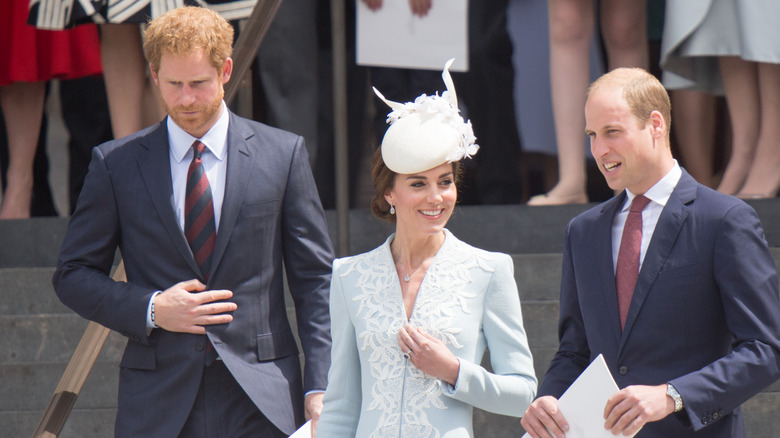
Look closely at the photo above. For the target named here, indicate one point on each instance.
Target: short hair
(643, 92)
(184, 31)
(383, 180)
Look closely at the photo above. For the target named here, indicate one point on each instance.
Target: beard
(202, 120)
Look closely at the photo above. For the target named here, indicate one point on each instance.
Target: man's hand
(420, 7)
(429, 354)
(186, 307)
(629, 409)
(374, 5)
(312, 409)
(543, 417)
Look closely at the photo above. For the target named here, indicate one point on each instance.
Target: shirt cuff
(149, 323)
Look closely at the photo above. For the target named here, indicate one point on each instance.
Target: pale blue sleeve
(512, 385)
(342, 399)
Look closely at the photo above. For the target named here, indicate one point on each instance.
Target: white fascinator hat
(427, 132)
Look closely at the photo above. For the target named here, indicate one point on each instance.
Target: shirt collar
(661, 191)
(215, 139)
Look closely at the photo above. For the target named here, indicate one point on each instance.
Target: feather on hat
(427, 132)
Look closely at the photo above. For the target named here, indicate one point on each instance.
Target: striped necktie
(199, 225)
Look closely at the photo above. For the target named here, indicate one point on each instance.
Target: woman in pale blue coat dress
(412, 319)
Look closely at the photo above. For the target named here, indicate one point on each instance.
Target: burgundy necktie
(627, 269)
(199, 224)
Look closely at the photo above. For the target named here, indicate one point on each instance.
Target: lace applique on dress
(401, 393)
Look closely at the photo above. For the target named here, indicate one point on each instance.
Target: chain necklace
(408, 276)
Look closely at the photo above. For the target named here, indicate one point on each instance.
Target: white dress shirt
(658, 194)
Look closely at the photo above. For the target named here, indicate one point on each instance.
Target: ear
(227, 70)
(389, 197)
(657, 125)
(154, 75)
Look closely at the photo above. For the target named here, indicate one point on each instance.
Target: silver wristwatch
(671, 391)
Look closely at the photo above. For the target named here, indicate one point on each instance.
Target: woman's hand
(429, 354)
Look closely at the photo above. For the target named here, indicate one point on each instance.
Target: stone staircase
(44, 333)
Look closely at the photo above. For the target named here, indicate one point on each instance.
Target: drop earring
(392, 209)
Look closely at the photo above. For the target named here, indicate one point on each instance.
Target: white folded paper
(393, 37)
(583, 403)
(303, 432)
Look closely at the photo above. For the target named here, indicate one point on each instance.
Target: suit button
(623, 370)
(715, 416)
(199, 347)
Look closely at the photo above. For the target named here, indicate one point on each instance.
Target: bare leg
(740, 79)
(624, 30)
(22, 105)
(127, 87)
(693, 123)
(571, 28)
(763, 180)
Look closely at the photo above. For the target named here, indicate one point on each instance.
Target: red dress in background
(28, 54)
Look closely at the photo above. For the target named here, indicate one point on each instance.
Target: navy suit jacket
(271, 215)
(704, 315)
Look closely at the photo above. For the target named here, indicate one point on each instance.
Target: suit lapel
(603, 242)
(667, 230)
(239, 166)
(155, 169)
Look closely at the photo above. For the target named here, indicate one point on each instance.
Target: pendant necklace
(408, 276)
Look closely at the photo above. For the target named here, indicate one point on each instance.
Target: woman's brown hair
(383, 180)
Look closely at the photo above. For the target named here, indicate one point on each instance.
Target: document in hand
(583, 403)
(393, 36)
(303, 432)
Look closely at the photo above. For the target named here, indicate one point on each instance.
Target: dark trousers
(223, 410)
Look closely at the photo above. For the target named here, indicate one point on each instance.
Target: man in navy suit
(698, 335)
(210, 352)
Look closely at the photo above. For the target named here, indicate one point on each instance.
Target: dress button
(623, 370)
(199, 347)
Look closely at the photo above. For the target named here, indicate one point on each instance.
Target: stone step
(538, 276)
(28, 291)
(31, 242)
(49, 339)
(32, 385)
(82, 423)
(761, 413)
